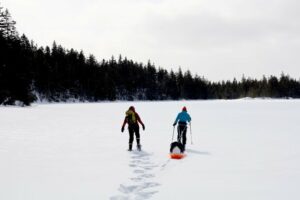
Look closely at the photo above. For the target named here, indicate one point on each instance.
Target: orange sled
(177, 155)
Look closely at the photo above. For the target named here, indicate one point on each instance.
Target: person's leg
(179, 131)
(184, 137)
(137, 136)
(131, 135)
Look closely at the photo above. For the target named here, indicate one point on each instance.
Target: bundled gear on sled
(133, 120)
(176, 147)
(176, 150)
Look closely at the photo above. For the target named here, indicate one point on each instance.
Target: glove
(122, 129)
(143, 127)
(174, 124)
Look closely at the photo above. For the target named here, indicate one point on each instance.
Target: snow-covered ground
(242, 149)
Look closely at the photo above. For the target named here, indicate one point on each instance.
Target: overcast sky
(216, 39)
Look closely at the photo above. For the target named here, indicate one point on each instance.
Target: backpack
(131, 117)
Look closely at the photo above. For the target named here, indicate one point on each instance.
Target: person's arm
(175, 122)
(124, 123)
(189, 118)
(140, 121)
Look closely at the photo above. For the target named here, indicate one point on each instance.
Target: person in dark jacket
(133, 119)
(183, 118)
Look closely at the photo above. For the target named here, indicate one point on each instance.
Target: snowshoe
(139, 147)
(130, 147)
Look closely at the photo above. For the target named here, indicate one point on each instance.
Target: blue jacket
(183, 117)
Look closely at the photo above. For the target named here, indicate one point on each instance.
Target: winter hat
(184, 108)
(132, 108)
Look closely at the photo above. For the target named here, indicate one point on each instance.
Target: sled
(177, 155)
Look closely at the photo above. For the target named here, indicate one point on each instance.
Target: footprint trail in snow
(141, 185)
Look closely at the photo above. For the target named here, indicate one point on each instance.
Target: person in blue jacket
(183, 118)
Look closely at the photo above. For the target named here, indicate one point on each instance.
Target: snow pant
(134, 129)
(181, 129)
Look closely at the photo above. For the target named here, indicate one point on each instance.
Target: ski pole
(191, 133)
(173, 134)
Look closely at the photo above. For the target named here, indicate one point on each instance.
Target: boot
(130, 147)
(139, 147)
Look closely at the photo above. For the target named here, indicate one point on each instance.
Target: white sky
(216, 39)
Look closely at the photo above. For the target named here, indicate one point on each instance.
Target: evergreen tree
(173, 90)
(151, 82)
(2, 22)
(7, 25)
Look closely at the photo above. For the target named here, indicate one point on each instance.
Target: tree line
(54, 74)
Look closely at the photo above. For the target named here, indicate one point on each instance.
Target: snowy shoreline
(18, 104)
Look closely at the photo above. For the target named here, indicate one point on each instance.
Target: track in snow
(141, 185)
